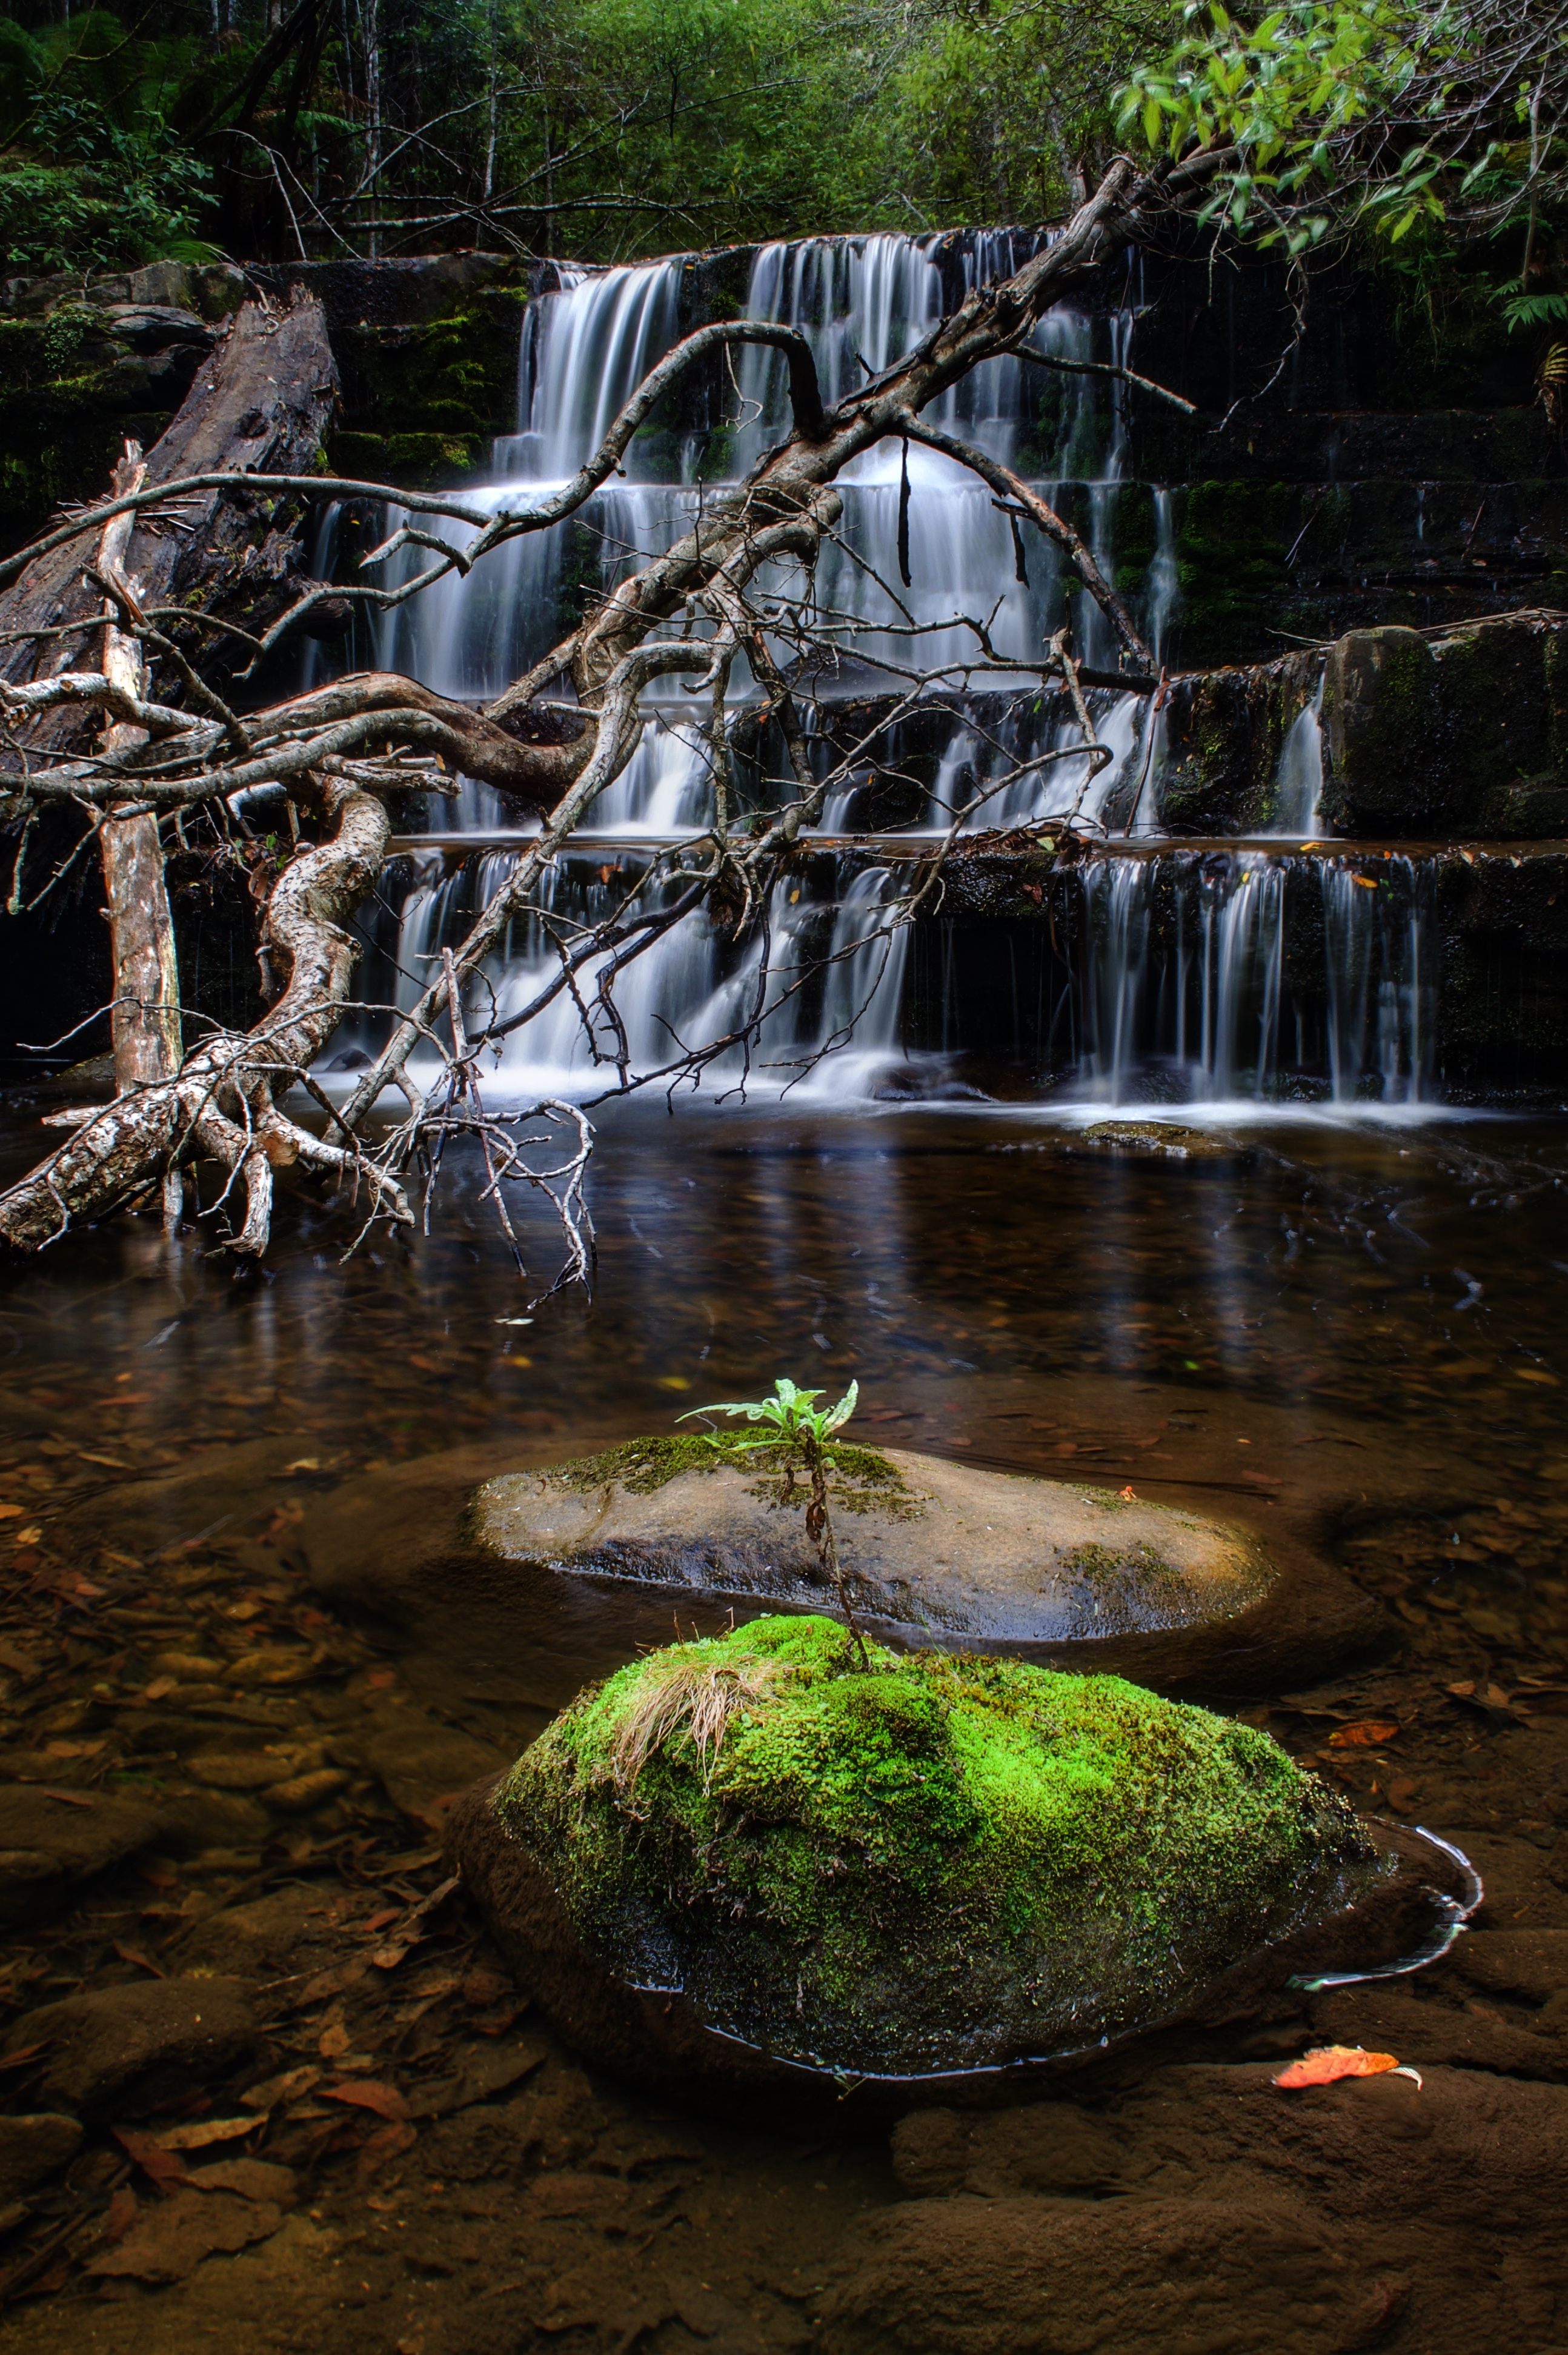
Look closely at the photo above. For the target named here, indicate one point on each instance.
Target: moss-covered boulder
(944, 1865)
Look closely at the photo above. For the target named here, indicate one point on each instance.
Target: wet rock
(203, 1819)
(122, 2050)
(1528, 1963)
(1041, 2277)
(1224, 732)
(1417, 2030)
(937, 1869)
(224, 1769)
(1471, 2154)
(1158, 1140)
(421, 1764)
(1051, 2146)
(933, 1551)
(268, 1938)
(1467, 732)
(51, 1848)
(167, 2243)
(33, 2147)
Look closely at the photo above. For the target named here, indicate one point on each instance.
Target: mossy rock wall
(945, 1863)
(86, 365)
(1464, 734)
(1225, 731)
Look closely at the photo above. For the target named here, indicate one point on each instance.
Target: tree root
(219, 1105)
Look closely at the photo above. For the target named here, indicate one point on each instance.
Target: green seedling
(799, 1431)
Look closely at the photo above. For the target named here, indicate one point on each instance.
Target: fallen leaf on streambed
(169, 2242)
(123, 2209)
(142, 1962)
(201, 2132)
(162, 2167)
(286, 2088)
(385, 2100)
(252, 2179)
(1367, 1733)
(1326, 2063)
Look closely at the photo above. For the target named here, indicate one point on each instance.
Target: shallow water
(1352, 1331)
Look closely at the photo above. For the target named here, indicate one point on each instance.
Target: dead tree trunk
(145, 1014)
(261, 402)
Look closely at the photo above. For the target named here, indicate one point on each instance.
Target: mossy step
(931, 1549)
(942, 1865)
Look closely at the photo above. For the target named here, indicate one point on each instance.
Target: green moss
(948, 1862)
(862, 1481)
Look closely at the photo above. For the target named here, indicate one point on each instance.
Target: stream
(1351, 1330)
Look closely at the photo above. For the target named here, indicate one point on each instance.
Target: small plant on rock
(801, 1431)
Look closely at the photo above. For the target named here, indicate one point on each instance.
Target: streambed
(1350, 1331)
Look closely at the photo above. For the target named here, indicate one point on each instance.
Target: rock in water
(932, 1549)
(948, 1864)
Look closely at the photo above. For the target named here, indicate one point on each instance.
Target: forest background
(1430, 134)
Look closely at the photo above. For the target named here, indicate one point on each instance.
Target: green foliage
(1281, 93)
(793, 1420)
(1388, 116)
(93, 177)
(945, 1861)
(801, 1432)
(1535, 310)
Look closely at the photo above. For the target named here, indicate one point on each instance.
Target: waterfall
(1187, 981)
(1299, 778)
(1185, 993)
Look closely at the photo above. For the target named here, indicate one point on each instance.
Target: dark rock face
(1465, 734)
(48, 1850)
(1224, 735)
(124, 2050)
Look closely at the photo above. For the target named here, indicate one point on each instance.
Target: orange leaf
(165, 2169)
(1328, 2063)
(385, 2100)
(1367, 1733)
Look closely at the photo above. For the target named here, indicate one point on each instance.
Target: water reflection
(997, 1285)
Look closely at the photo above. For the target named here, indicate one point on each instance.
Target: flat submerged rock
(933, 1549)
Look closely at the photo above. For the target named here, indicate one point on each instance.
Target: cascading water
(1187, 992)
(1298, 779)
(1195, 984)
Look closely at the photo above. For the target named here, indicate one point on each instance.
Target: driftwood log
(261, 404)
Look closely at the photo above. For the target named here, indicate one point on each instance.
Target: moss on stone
(641, 1466)
(949, 1863)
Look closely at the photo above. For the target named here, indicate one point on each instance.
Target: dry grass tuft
(696, 1695)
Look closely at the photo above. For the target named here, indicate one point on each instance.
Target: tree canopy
(610, 129)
